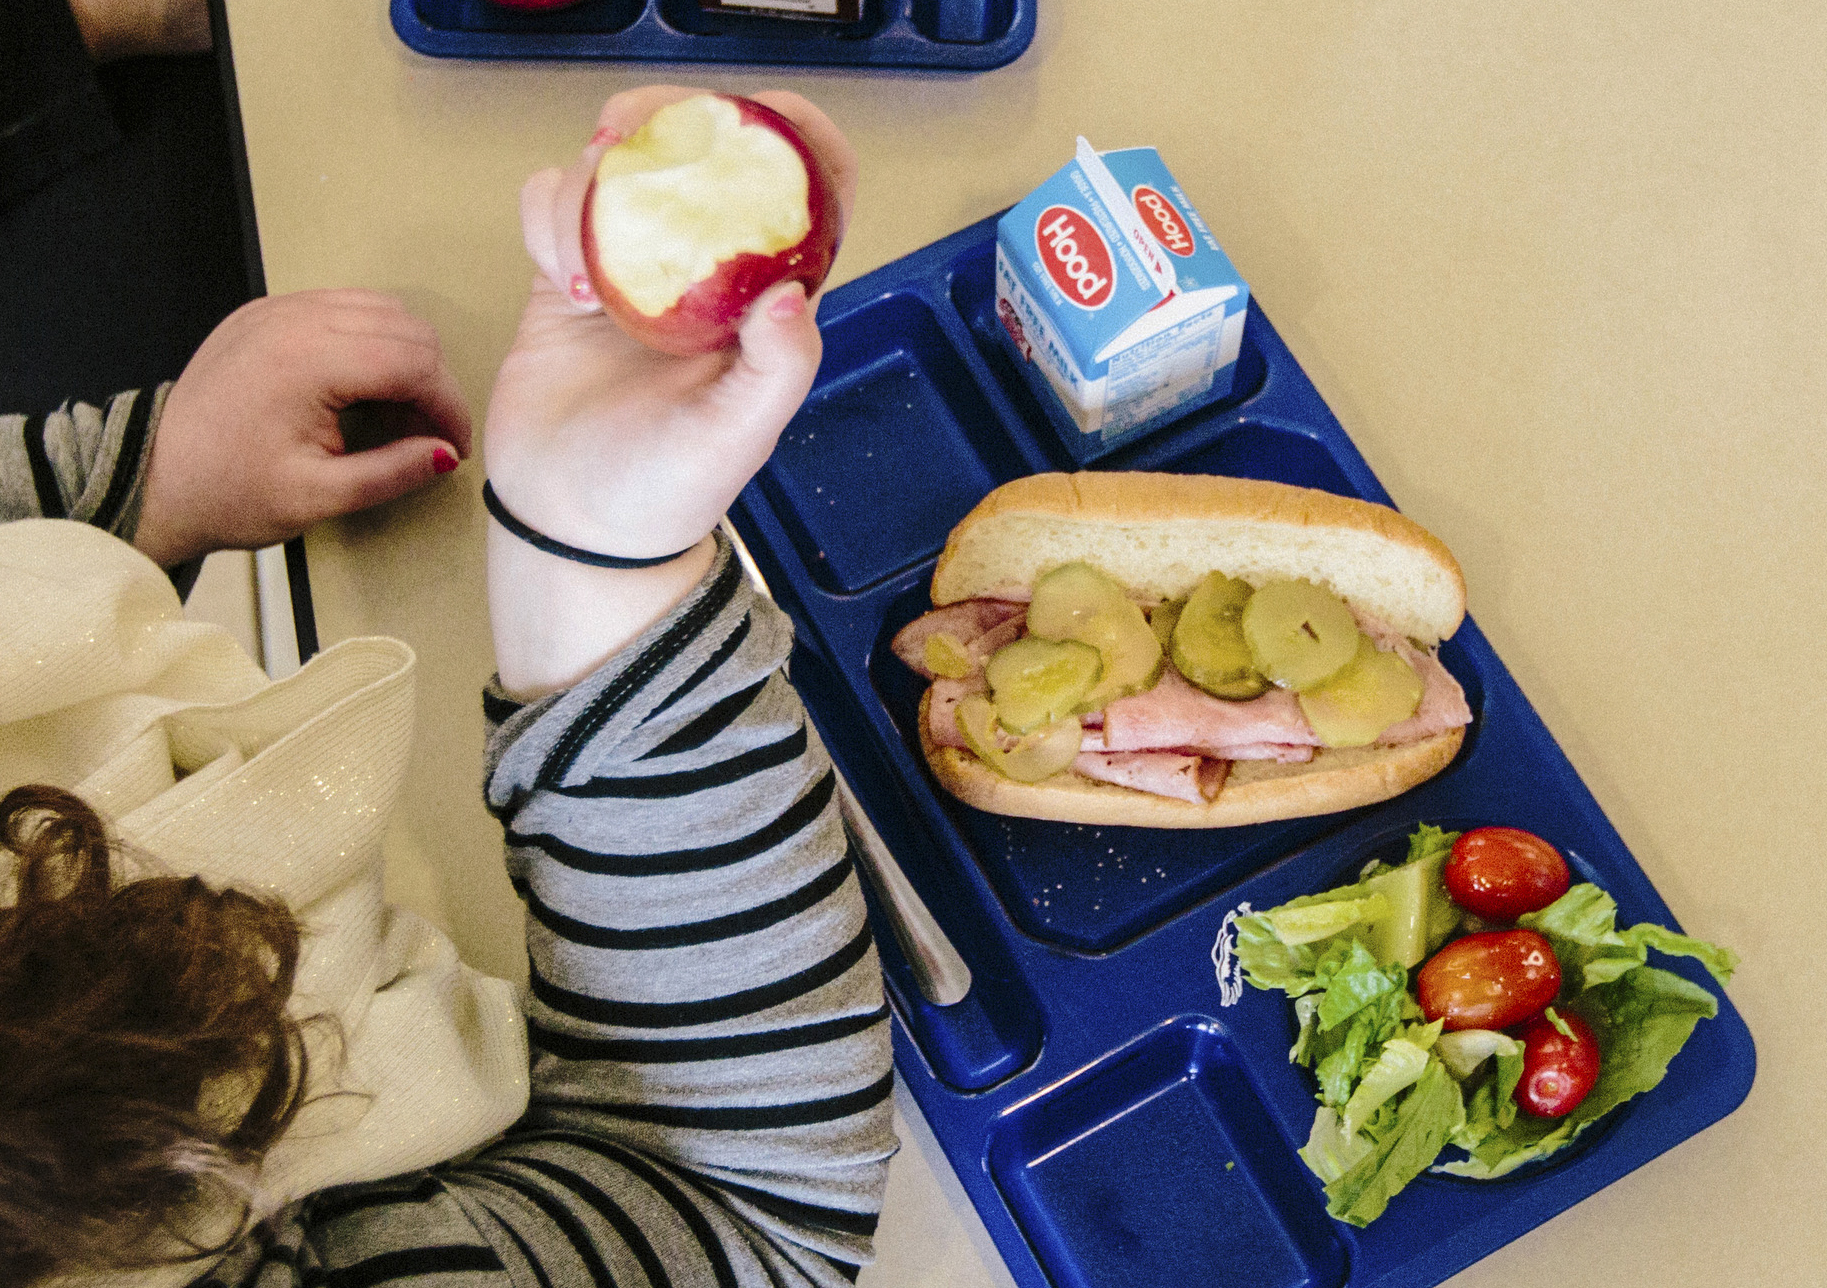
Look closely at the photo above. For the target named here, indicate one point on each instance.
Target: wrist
(555, 620)
(515, 527)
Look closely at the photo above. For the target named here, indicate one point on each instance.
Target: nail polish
(580, 289)
(442, 461)
(605, 137)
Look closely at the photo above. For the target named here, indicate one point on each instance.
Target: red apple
(707, 205)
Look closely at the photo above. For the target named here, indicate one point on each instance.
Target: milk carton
(1110, 284)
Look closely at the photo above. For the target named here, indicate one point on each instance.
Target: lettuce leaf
(1296, 924)
(1581, 925)
(1329, 1153)
(1353, 980)
(1492, 1105)
(1427, 1117)
(1342, 1052)
(1282, 948)
(1398, 1067)
(1466, 1049)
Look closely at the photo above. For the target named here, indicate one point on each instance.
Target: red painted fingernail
(789, 305)
(442, 461)
(580, 289)
(606, 137)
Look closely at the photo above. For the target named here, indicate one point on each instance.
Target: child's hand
(602, 443)
(249, 450)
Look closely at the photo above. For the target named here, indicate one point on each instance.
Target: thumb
(356, 480)
(778, 359)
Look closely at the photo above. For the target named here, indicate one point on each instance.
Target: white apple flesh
(711, 202)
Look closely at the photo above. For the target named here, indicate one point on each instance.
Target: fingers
(394, 359)
(344, 484)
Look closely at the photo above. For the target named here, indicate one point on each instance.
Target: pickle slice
(1208, 644)
(1039, 755)
(1077, 602)
(1036, 681)
(1369, 694)
(946, 656)
(1299, 635)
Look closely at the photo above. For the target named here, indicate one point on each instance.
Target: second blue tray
(1114, 1121)
(957, 35)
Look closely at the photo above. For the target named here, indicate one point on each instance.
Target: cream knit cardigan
(281, 788)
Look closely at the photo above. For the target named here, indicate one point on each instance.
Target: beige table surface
(1560, 268)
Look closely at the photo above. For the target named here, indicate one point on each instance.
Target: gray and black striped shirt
(711, 1070)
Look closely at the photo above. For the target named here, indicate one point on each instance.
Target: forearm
(81, 462)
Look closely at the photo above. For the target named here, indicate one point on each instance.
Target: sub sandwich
(1167, 650)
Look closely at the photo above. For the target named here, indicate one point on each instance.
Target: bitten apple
(700, 210)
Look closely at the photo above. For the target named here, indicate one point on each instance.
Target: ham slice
(1286, 753)
(965, 622)
(1175, 713)
(1161, 773)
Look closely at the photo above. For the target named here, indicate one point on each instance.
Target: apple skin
(707, 316)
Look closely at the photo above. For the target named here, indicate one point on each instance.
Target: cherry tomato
(1558, 1070)
(1489, 980)
(1502, 872)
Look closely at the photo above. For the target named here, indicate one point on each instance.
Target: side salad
(1530, 1016)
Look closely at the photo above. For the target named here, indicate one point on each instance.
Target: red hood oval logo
(1076, 256)
(1163, 218)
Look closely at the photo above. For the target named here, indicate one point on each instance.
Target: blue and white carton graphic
(1110, 283)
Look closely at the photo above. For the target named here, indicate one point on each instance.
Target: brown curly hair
(146, 1058)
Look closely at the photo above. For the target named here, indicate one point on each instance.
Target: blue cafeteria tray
(960, 35)
(1113, 1122)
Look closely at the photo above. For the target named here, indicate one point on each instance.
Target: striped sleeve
(81, 462)
(712, 1076)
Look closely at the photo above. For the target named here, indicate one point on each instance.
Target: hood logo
(1164, 220)
(1076, 256)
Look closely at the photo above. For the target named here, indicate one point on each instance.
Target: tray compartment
(956, 35)
(685, 17)
(882, 460)
(592, 17)
(1158, 1166)
(964, 22)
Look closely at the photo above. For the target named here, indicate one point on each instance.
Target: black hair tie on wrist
(540, 541)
